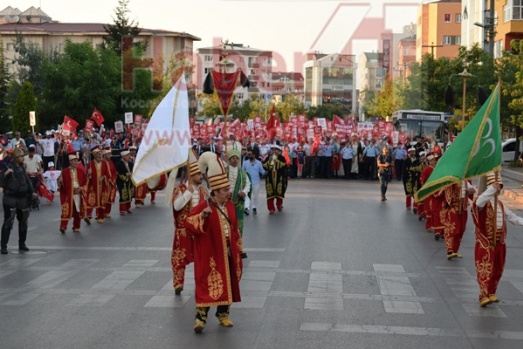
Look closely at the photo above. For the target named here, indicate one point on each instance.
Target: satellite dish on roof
(16, 19)
(7, 19)
(28, 18)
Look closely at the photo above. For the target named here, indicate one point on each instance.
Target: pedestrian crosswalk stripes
(326, 287)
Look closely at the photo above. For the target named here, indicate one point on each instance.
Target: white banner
(129, 117)
(166, 141)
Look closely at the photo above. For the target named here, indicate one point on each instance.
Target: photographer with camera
(18, 189)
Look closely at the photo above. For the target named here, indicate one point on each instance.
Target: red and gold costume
(140, 192)
(97, 192)
(490, 250)
(455, 217)
(72, 179)
(182, 253)
(217, 246)
(111, 187)
(217, 272)
(424, 206)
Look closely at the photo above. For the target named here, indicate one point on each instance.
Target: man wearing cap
(399, 155)
(490, 218)
(125, 186)
(185, 197)
(276, 180)
(48, 144)
(17, 190)
(239, 181)
(112, 175)
(217, 247)
(411, 173)
(72, 184)
(97, 191)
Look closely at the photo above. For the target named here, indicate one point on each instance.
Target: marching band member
(124, 168)
(112, 174)
(72, 184)
(97, 190)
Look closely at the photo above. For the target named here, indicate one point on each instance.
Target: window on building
(10, 47)
(208, 58)
(452, 40)
(458, 17)
(206, 71)
(447, 18)
(239, 95)
(517, 9)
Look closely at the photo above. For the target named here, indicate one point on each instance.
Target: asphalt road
(337, 269)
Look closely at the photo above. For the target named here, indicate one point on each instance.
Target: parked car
(508, 149)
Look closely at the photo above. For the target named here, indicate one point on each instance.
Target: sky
(290, 28)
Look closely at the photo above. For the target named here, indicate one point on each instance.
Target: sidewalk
(513, 178)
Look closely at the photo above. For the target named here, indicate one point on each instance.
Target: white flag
(166, 142)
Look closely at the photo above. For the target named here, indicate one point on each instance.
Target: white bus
(422, 123)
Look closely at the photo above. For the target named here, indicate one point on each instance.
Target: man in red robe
(185, 197)
(433, 204)
(72, 184)
(217, 247)
(490, 219)
(111, 182)
(97, 193)
(455, 216)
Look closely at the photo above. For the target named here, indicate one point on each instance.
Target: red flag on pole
(97, 117)
(69, 124)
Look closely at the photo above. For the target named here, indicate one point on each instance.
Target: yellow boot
(224, 320)
(199, 325)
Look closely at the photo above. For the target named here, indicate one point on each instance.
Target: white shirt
(233, 176)
(183, 199)
(488, 195)
(48, 145)
(32, 165)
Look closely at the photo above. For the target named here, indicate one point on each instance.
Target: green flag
(476, 151)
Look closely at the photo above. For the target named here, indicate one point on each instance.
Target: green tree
(121, 29)
(210, 105)
(79, 80)
(290, 105)
(24, 104)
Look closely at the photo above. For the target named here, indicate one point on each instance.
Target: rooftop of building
(34, 21)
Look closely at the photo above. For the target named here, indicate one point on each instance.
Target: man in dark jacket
(17, 192)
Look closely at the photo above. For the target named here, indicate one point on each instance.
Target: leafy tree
(24, 104)
(121, 29)
(210, 105)
(291, 105)
(79, 80)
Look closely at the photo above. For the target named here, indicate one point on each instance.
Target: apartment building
(40, 30)
(439, 29)
(330, 78)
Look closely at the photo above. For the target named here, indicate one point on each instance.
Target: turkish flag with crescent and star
(69, 124)
(97, 117)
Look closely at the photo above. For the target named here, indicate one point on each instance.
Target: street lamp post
(465, 75)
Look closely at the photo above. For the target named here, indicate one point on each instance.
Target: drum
(157, 182)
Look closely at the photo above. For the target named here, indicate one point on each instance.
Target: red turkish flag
(69, 124)
(97, 117)
(89, 124)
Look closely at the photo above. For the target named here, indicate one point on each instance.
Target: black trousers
(19, 208)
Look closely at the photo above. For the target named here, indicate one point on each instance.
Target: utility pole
(432, 47)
